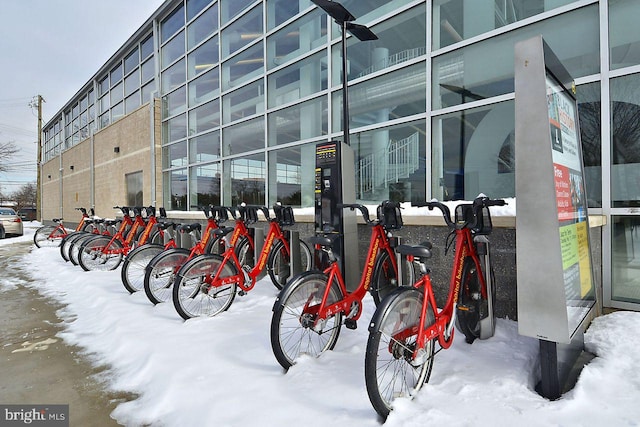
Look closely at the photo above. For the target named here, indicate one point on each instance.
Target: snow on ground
(221, 371)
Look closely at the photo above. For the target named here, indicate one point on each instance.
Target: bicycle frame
(60, 231)
(377, 243)
(274, 233)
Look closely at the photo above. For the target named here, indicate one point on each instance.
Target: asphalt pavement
(36, 366)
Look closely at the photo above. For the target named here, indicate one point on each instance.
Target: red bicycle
(407, 324)
(308, 313)
(49, 235)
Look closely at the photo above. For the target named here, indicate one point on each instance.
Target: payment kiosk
(334, 185)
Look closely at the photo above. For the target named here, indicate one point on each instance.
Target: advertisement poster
(570, 201)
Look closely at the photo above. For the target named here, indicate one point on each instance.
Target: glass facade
(248, 87)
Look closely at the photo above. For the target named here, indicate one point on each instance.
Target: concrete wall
(69, 188)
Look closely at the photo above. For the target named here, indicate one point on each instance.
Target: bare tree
(7, 150)
(25, 196)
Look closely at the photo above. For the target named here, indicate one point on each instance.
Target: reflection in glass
(203, 58)
(204, 117)
(175, 102)
(472, 153)
(172, 50)
(298, 122)
(231, 8)
(204, 186)
(148, 70)
(625, 244)
(175, 128)
(390, 163)
(175, 155)
(289, 182)
(588, 96)
(243, 67)
(173, 76)
(244, 102)
(203, 27)
(204, 88)
(131, 61)
(279, 11)
(624, 33)
(625, 141)
(390, 96)
(246, 176)
(175, 190)
(204, 148)
(135, 189)
(458, 20)
(485, 69)
(298, 80)
(171, 24)
(195, 6)
(131, 83)
(243, 137)
(242, 32)
(297, 38)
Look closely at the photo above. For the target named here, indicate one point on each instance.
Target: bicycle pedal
(350, 323)
(242, 293)
(467, 308)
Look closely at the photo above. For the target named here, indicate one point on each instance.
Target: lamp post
(344, 19)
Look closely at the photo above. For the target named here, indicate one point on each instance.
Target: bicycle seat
(187, 228)
(421, 251)
(320, 240)
(221, 231)
(163, 225)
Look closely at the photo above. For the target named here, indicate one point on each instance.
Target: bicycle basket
(284, 215)
(464, 213)
(389, 215)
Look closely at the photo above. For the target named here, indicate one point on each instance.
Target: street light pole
(344, 19)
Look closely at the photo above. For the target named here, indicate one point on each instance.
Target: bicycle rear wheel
(279, 263)
(100, 254)
(294, 327)
(471, 306)
(67, 241)
(385, 277)
(48, 236)
(390, 370)
(135, 264)
(160, 274)
(195, 294)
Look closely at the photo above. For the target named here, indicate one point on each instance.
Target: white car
(11, 222)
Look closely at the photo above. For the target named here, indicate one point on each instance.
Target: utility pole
(38, 105)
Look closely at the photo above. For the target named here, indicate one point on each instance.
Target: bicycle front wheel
(295, 327)
(48, 236)
(67, 241)
(471, 306)
(100, 254)
(390, 369)
(135, 264)
(160, 273)
(196, 294)
(279, 263)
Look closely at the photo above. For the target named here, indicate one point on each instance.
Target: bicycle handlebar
(478, 204)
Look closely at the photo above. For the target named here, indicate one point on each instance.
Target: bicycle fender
(385, 304)
(154, 260)
(288, 288)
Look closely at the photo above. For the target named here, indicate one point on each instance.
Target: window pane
(246, 136)
(298, 80)
(135, 189)
(116, 93)
(242, 32)
(203, 58)
(400, 39)
(194, 7)
(486, 69)
(299, 122)
(625, 278)
(117, 111)
(368, 10)
(175, 155)
(279, 11)
(203, 27)
(175, 190)
(204, 88)
(398, 94)
(131, 83)
(243, 67)
(624, 33)
(148, 70)
(175, 128)
(205, 185)
(132, 102)
(454, 21)
(243, 102)
(625, 141)
(131, 61)
(231, 8)
(175, 102)
(589, 115)
(174, 76)
(204, 148)
(148, 90)
(146, 47)
(297, 38)
(390, 163)
(103, 86)
(247, 178)
(293, 185)
(172, 24)
(204, 117)
(173, 50)
(116, 74)
(473, 152)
